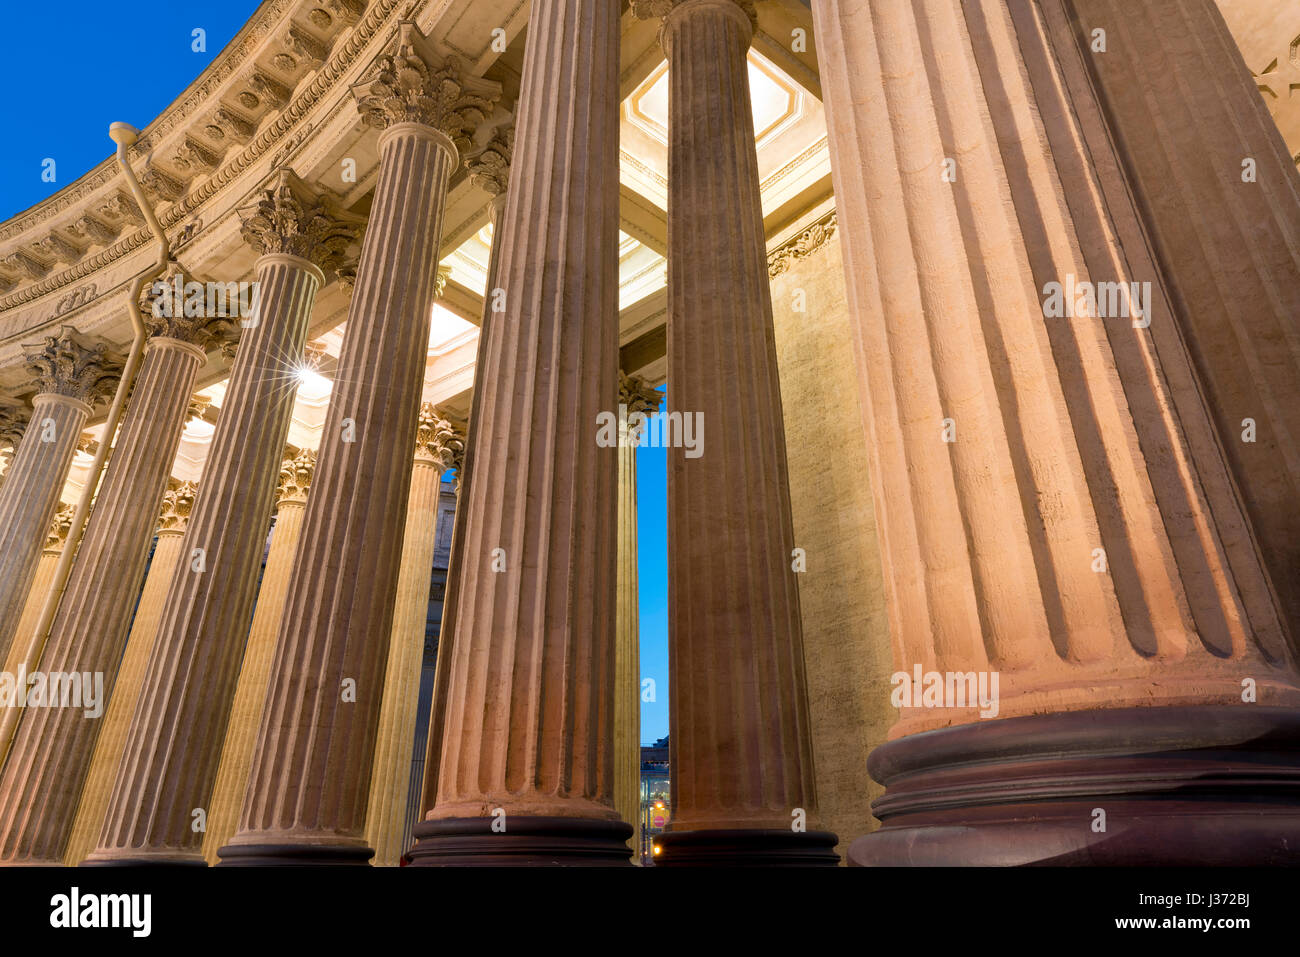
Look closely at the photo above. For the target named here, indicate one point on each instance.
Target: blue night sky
(63, 114)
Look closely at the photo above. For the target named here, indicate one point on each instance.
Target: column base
(294, 855)
(1215, 785)
(155, 861)
(526, 842)
(747, 847)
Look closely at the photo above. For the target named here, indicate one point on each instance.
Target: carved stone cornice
(159, 184)
(96, 231)
(24, 266)
(489, 168)
(295, 478)
(191, 113)
(269, 89)
(414, 84)
(291, 217)
(193, 158)
(176, 506)
(801, 246)
(348, 11)
(57, 249)
(70, 364)
(436, 439)
(304, 46)
(57, 535)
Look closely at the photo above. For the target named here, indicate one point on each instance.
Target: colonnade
(1063, 503)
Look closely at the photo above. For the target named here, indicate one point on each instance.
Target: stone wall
(846, 630)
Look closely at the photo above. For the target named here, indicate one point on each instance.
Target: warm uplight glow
(197, 428)
(657, 850)
(445, 327)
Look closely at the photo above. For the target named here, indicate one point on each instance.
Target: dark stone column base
(1189, 786)
(143, 862)
(526, 842)
(751, 847)
(294, 855)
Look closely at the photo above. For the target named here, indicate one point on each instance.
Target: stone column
(489, 169)
(130, 676)
(53, 747)
(390, 776)
(1219, 192)
(1063, 544)
(255, 670)
(14, 417)
(526, 772)
(54, 542)
(634, 398)
(743, 785)
(72, 373)
(307, 796)
(174, 744)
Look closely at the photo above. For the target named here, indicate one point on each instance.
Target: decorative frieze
(812, 239)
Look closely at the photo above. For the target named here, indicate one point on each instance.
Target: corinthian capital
(176, 506)
(72, 365)
(489, 168)
(636, 395)
(437, 439)
(13, 422)
(59, 527)
(414, 84)
(658, 9)
(168, 319)
(295, 478)
(290, 217)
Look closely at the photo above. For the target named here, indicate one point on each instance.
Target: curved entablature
(278, 94)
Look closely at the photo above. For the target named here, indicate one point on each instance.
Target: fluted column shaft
(40, 589)
(28, 500)
(741, 751)
(53, 747)
(1055, 511)
(528, 715)
(255, 670)
(442, 672)
(304, 791)
(1188, 117)
(170, 760)
(130, 678)
(627, 645)
(390, 778)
